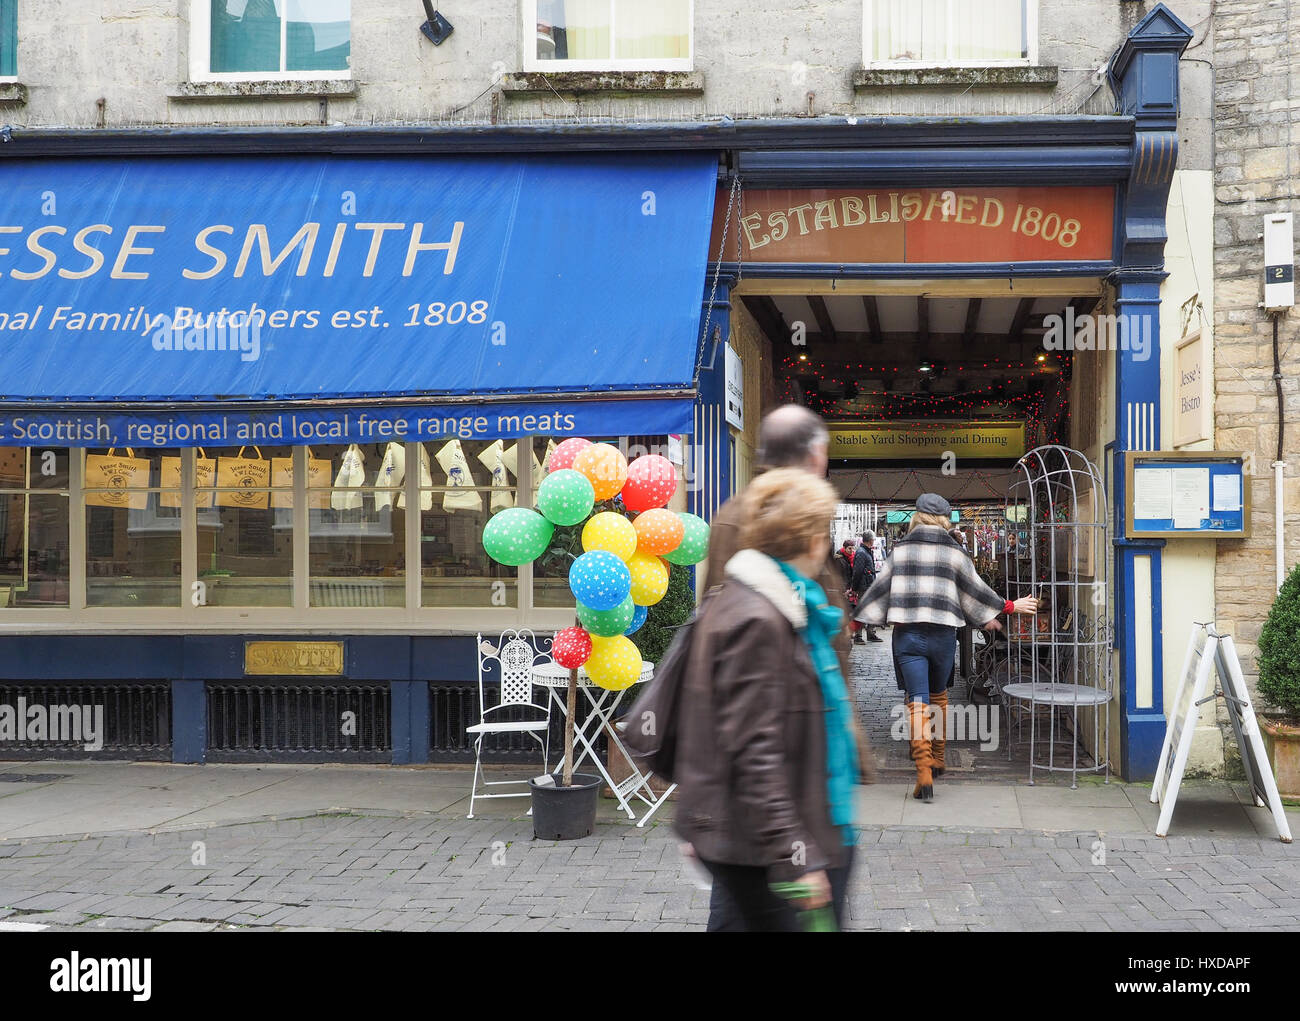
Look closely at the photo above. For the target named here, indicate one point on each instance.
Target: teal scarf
(841, 749)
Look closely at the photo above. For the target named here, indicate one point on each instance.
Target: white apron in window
(493, 461)
(546, 460)
(392, 472)
(351, 477)
(452, 459)
(510, 458)
(426, 480)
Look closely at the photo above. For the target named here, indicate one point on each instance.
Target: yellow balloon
(649, 579)
(615, 663)
(611, 532)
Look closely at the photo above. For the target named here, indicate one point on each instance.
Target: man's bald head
(791, 436)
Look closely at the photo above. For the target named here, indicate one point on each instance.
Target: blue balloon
(600, 580)
(642, 612)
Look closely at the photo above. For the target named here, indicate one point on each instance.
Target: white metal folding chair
(515, 654)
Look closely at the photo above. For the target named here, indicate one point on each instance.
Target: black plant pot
(565, 813)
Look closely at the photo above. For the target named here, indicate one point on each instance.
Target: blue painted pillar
(1143, 74)
(1138, 602)
(189, 721)
(711, 481)
(410, 722)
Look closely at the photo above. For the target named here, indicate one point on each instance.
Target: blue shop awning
(175, 302)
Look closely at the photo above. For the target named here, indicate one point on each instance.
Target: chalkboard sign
(1170, 493)
(1209, 654)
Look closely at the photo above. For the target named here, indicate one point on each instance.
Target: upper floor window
(608, 35)
(947, 33)
(8, 38)
(257, 39)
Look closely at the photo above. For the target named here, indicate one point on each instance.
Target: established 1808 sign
(923, 225)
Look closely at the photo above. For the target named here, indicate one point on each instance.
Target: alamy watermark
(66, 724)
(187, 330)
(1069, 331)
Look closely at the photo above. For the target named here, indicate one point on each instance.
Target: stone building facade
(1257, 159)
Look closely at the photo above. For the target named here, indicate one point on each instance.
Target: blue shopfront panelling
(407, 663)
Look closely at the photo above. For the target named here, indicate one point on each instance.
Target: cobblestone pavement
(442, 872)
(879, 705)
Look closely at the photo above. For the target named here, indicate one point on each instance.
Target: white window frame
(1031, 31)
(298, 619)
(201, 54)
(528, 49)
(7, 79)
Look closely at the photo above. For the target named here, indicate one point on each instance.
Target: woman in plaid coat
(927, 589)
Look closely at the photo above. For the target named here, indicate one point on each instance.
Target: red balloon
(571, 647)
(651, 482)
(562, 456)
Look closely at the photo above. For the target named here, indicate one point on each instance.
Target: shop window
(357, 525)
(944, 33)
(260, 39)
(604, 35)
(244, 505)
(34, 526)
(8, 38)
(133, 533)
(462, 484)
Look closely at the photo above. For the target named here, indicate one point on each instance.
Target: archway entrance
(931, 386)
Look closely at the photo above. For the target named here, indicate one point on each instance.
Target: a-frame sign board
(1210, 653)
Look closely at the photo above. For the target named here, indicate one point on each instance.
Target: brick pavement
(439, 871)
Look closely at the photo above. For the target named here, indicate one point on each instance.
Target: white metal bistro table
(555, 679)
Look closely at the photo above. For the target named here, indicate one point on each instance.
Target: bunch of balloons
(623, 569)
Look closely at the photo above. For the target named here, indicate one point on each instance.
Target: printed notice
(1227, 493)
(1191, 496)
(1153, 494)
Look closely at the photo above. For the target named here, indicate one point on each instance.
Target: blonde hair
(937, 520)
(786, 509)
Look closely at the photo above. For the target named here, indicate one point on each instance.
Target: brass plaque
(310, 659)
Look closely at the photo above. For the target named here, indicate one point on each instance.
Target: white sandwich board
(1209, 654)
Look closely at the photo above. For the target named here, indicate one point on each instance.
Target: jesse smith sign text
(929, 225)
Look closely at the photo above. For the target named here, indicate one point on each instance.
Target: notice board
(1171, 493)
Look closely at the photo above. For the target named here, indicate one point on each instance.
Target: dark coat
(751, 751)
(864, 570)
(724, 541)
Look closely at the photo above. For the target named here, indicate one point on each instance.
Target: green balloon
(566, 497)
(608, 623)
(694, 546)
(517, 536)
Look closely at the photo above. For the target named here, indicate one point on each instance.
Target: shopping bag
(245, 476)
(125, 480)
(452, 459)
(426, 482)
(349, 480)
(169, 477)
(318, 478)
(493, 461)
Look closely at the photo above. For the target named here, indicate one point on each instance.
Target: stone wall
(1257, 102)
(761, 58)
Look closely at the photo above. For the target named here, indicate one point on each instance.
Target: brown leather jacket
(724, 541)
(751, 752)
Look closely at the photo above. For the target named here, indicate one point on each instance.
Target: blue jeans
(924, 657)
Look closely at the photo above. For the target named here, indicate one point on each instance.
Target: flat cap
(933, 503)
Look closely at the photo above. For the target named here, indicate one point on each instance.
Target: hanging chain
(732, 202)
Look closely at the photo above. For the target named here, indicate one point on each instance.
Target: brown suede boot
(920, 748)
(939, 703)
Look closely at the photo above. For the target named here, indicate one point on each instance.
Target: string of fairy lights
(988, 403)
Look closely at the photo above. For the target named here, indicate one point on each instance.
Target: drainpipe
(1279, 530)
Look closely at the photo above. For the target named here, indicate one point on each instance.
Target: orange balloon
(605, 468)
(658, 532)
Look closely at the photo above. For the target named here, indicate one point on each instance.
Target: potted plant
(601, 523)
(1278, 661)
